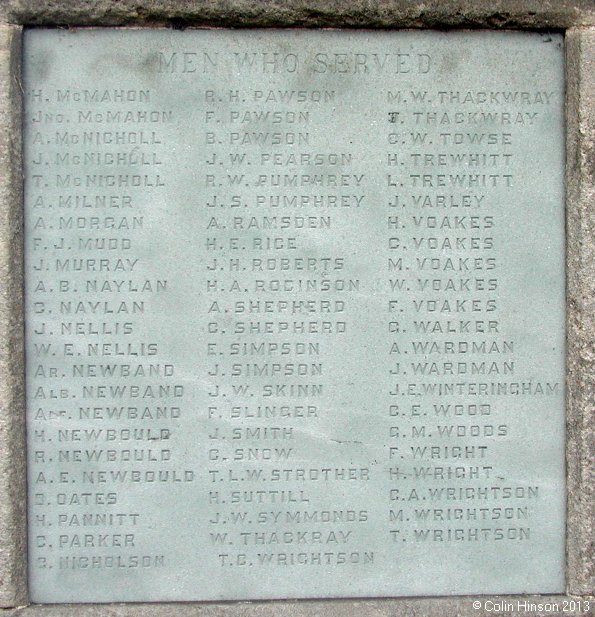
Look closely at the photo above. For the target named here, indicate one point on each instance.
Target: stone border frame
(576, 18)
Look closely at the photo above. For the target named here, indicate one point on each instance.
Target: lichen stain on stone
(150, 64)
(449, 64)
(144, 67)
(41, 64)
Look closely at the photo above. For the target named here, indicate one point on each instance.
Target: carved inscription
(295, 314)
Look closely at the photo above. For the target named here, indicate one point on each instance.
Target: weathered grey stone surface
(12, 427)
(529, 308)
(311, 13)
(581, 247)
(580, 54)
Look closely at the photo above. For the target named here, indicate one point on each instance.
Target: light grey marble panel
(295, 314)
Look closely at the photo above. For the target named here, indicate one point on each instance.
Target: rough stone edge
(580, 191)
(503, 606)
(529, 14)
(581, 360)
(13, 471)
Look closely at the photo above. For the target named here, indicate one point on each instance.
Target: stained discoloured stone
(12, 427)
(580, 307)
(553, 14)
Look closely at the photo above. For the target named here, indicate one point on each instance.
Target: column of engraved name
(275, 305)
(96, 152)
(451, 170)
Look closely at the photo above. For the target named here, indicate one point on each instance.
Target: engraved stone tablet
(295, 314)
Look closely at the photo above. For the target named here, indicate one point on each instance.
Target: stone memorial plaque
(295, 313)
